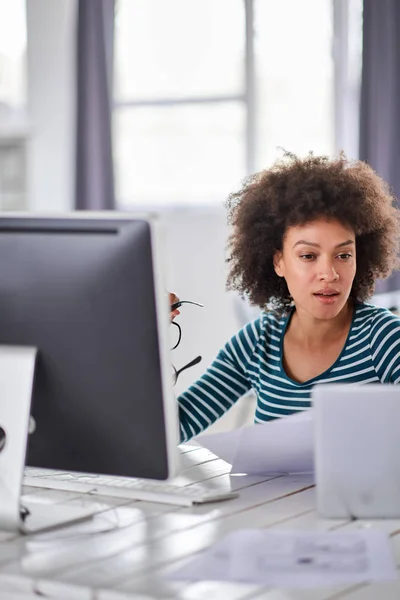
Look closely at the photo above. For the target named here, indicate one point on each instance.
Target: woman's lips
(326, 296)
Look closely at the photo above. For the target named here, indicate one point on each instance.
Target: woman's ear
(278, 260)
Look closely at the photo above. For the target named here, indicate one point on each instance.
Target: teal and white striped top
(253, 359)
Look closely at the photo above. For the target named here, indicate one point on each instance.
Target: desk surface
(126, 550)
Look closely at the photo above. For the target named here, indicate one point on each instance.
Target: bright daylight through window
(207, 92)
(12, 105)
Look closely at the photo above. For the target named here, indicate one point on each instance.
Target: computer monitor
(88, 293)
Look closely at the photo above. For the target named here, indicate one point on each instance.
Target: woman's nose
(328, 273)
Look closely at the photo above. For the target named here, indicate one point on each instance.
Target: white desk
(148, 540)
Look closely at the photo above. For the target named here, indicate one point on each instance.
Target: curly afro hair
(296, 191)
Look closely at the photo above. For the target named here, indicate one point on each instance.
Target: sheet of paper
(295, 559)
(223, 444)
(279, 446)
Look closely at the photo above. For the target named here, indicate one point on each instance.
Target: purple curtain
(380, 98)
(94, 166)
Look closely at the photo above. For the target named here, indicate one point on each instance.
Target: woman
(310, 238)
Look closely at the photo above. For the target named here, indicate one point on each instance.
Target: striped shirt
(252, 359)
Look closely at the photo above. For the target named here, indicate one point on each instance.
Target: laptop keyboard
(124, 487)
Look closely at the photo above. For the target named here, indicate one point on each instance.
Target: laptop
(357, 450)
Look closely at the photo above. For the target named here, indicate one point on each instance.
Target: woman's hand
(172, 299)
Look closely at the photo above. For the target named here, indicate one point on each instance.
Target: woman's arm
(385, 346)
(224, 382)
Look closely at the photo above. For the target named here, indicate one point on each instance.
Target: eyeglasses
(180, 302)
(195, 361)
(174, 307)
(177, 372)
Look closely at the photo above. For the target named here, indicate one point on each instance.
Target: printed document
(295, 559)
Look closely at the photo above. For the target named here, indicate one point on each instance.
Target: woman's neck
(314, 333)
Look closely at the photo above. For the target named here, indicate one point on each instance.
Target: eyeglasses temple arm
(193, 362)
(176, 305)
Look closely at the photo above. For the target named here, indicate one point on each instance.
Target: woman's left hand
(172, 299)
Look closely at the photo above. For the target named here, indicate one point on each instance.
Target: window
(348, 62)
(12, 104)
(207, 92)
(12, 55)
(294, 77)
(179, 118)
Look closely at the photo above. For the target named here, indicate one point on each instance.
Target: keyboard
(124, 487)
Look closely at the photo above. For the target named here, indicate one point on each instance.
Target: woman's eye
(307, 256)
(344, 256)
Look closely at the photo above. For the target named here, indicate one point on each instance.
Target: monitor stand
(17, 368)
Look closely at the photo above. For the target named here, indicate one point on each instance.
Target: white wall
(196, 270)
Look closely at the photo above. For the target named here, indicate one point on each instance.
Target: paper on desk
(294, 559)
(280, 446)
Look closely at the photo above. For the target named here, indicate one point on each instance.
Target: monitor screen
(87, 292)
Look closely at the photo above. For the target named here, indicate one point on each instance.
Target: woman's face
(318, 262)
